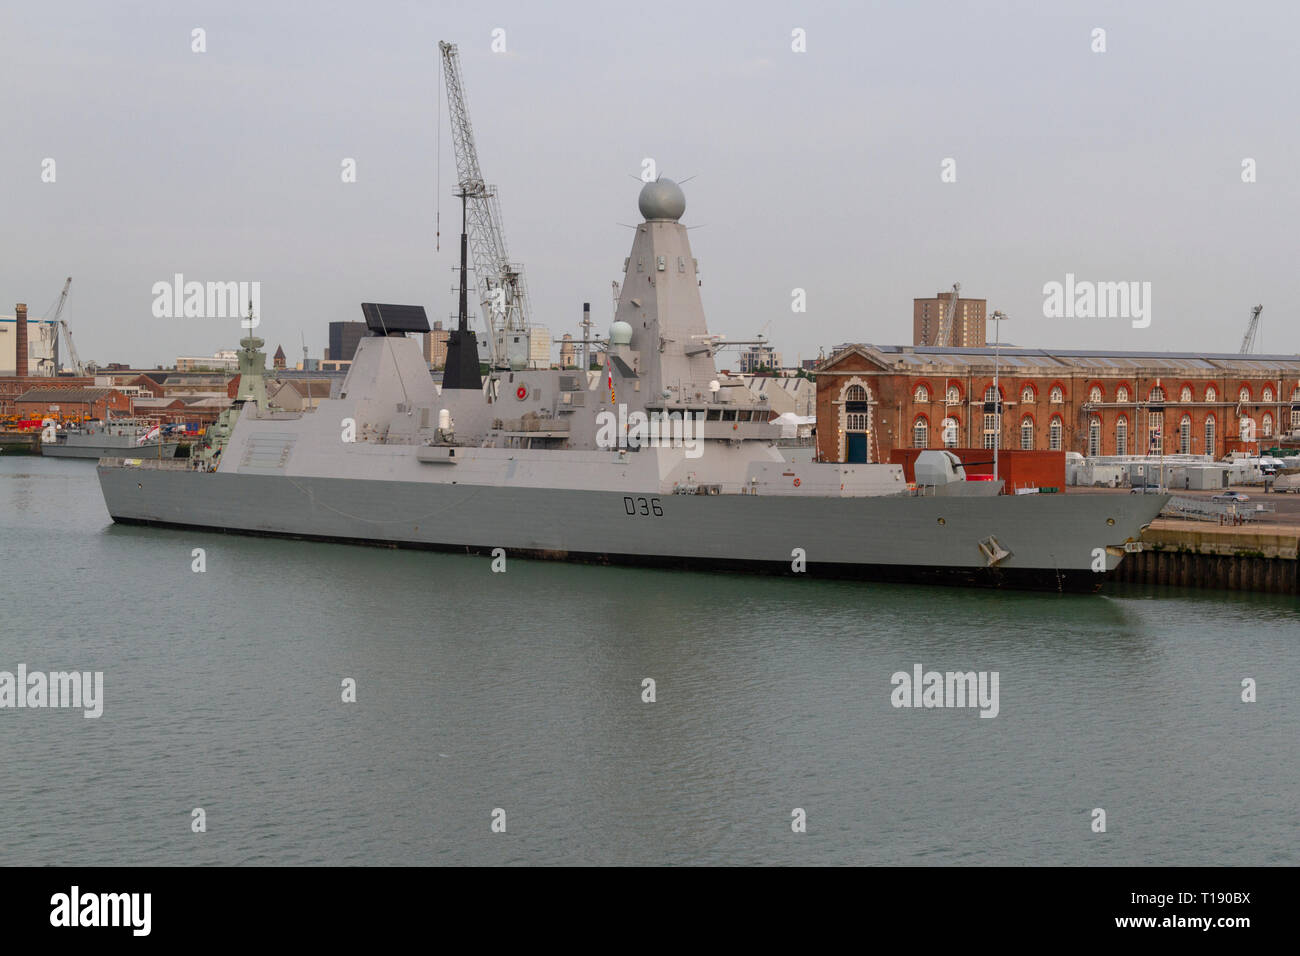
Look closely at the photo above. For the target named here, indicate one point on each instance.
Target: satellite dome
(662, 199)
(620, 333)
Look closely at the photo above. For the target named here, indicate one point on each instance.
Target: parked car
(1230, 496)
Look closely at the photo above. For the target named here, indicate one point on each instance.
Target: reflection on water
(523, 691)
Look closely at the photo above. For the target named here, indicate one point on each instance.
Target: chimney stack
(20, 341)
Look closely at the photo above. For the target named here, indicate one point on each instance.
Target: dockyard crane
(499, 282)
(944, 338)
(1248, 341)
(59, 324)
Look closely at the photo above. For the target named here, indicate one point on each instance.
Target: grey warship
(107, 439)
(645, 461)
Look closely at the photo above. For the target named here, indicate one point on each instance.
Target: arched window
(922, 395)
(954, 395)
(1244, 394)
(1247, 428)
(1295, 419)
(1155, 433)
(1211, 394)
(1185, 435)
(1054, 433)
(1295, 394)
(950, 433)
(1056, 396)
(1094, 438)
(1027, 433)
(1027, 395)
(990, 394)
(1267, 425)
(1121, 394)
(1185, 395)
(1121, 436)
(1157, 394)
(1209, 436)
(920, 433)
(992, 431)
(1094, 394)
(857, 424)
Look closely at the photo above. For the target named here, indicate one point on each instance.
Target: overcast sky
(817, 170)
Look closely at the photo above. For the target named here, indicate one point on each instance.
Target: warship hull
(100, 450)
(893, 538)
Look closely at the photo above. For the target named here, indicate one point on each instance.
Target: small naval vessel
(645, 461)
(112, 438)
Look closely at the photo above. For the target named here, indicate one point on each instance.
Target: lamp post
(998, 316)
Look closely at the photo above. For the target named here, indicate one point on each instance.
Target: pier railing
(1223, 512)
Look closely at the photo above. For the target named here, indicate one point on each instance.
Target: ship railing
(530, 425)
(153, 464)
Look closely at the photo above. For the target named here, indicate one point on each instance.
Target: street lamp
(997, 317)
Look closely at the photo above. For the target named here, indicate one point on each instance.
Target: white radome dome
(620, 333)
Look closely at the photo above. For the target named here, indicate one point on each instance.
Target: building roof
(74, 395)
(307, 387)
(917, 357)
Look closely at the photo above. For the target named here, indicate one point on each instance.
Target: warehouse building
(872, 399)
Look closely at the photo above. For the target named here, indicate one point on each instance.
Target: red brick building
(73, 404)
(12, 386)
(872, 399)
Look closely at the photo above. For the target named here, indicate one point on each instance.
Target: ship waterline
(879, 538)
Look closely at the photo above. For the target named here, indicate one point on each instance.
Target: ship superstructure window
(950, 433)
(1056, 396)
(922, 394)
(921, 434)
(1209, 435)
(1185, 395)
(1121, 436)
(1121, 394)
(1094, 394)
(1094, 437)
(1185, 435)
(1027, 434)
(1054, 434)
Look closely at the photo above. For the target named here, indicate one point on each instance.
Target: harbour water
(523, 691)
